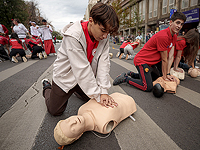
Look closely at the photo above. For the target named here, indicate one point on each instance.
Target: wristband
(168, 74)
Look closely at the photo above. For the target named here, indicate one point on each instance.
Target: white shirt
(46, 32)
(34, 31)
(1, 29)
(21, 30)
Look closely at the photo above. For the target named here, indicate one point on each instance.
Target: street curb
(21, 123)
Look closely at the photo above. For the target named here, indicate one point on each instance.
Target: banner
(192, 15)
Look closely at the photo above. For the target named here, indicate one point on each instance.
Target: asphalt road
(166, 123)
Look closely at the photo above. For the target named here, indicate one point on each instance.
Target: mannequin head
(180, 75)
(169, 86)
(193, 72)
(158, 90)
(60, 134)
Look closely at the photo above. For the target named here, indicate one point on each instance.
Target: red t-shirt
(91, 46)
(135, 44)
(150, 53)
(124, 44)
(32, 41)
(3, 40)
(180, 45)
(15, 45)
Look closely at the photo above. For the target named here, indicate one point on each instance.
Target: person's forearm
(164, 68)
(176, 62)
(170, 61)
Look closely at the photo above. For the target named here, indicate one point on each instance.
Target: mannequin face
(73, 126)
(96, 31)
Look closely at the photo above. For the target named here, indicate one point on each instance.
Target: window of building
(140, 10)
(164, 9)
(133, 13)
(155, 7)
(171, 4)
(143, 10)
(150, 8)
(193, 2)
(185, 4)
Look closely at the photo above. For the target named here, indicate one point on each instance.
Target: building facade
(153, 15)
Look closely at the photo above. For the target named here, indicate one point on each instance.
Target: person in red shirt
(152, 60)
(4, 41)
(129, 51)
(17, 48)
(35, 48)
(186, 47)
(121, 48)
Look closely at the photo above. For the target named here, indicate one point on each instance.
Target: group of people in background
(161, 52)
(38, 41)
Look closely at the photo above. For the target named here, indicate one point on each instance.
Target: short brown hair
(105, 15)
(178, 15)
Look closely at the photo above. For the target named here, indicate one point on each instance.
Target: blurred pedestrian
(36, 49)
(4, 30)
(4, 41)
(17, 48)
(21, 31)
(34, 30)
(46, 31)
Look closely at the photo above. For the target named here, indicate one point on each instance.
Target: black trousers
(36, 49)
(145, 76)
(15, 51)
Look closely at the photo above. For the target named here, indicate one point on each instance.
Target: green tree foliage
(10, 9)
(24, 11)
(57, 34)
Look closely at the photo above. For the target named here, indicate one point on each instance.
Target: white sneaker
(40, 55)
(117, 55)
(44, 54)
(14, 59)
(24, 59)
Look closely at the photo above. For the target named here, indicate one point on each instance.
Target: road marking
(11, 71)
(22, 121)
(182, 92)
(143, 133)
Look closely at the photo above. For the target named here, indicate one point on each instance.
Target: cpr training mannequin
(93, 116)
(169, 86)
(180, 75)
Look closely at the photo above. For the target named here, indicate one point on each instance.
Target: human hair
(192, 42)
(178, 15)
(105, 15)
(17, 20)
(15, 36)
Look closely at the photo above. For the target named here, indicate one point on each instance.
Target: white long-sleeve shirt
(21, 30)
(34, 31)
(46, 32)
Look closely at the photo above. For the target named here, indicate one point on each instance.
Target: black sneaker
(46, 83)
(120, 79)
(132, 74)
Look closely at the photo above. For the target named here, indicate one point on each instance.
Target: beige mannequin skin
(93, 116)
(169, 86)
